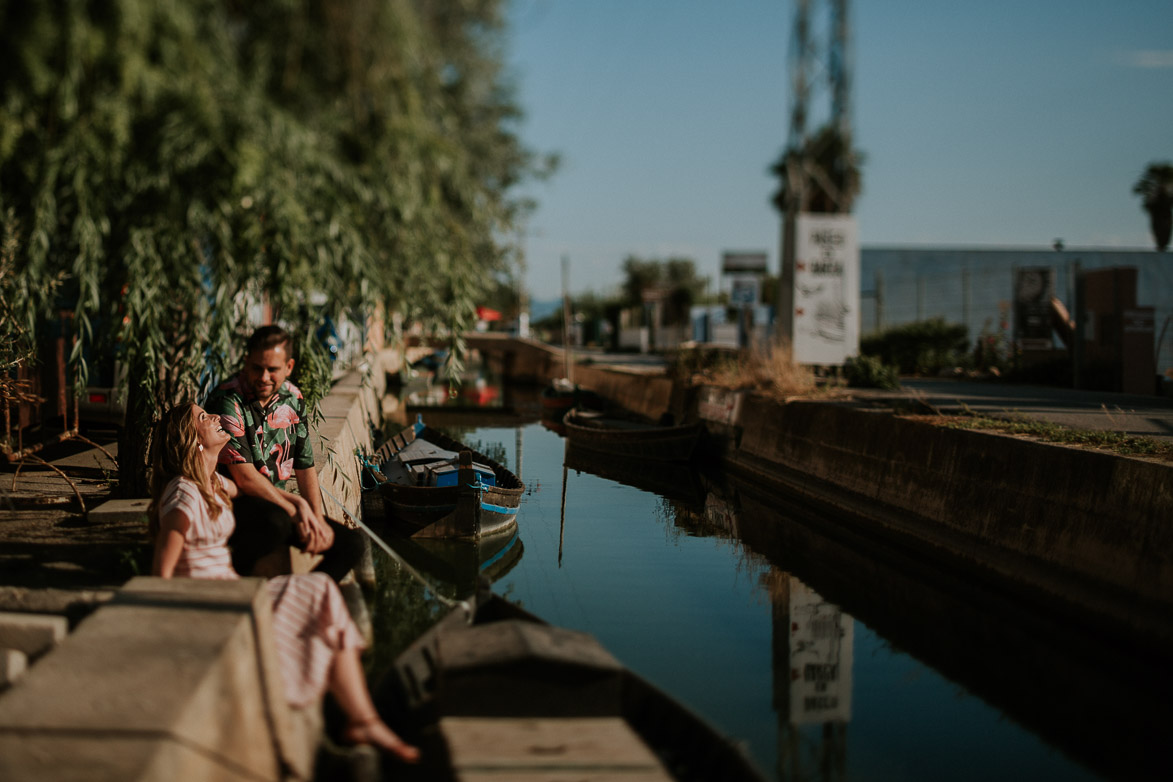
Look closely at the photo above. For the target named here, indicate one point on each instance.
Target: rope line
(428, 585)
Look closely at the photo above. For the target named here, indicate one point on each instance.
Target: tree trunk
(134, 444)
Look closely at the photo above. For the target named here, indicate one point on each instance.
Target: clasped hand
(315, 533)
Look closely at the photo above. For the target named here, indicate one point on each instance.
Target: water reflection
(1103, 704)
(798, 630)
(455, 566)
(813, 646)
(676, 482)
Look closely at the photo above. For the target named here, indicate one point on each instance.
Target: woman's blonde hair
(176, 446)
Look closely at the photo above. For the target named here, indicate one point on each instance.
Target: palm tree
(1155, 187)
(832, 172)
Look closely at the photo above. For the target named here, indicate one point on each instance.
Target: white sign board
(826, 289)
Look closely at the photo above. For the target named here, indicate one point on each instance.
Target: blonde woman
(318, 644)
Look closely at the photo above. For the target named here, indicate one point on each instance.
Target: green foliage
(922, 347)
(870, 372)
(828, 172)
(674, 279)
(181, 160)
(1108, 440)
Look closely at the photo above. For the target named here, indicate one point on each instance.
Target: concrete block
(172, 675)
(120, 510)
(33, 634)
(13, 664)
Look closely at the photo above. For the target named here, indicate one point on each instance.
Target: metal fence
(975, 288)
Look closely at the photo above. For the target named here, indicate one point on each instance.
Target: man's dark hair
(267, 337)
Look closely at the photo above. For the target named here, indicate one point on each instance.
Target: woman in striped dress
(317, 642)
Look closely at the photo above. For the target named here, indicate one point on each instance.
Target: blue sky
(993, 123)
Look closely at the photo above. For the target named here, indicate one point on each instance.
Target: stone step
(31, 634)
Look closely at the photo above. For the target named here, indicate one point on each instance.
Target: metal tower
(819, 65)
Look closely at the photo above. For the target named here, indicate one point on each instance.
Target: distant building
(975, 286)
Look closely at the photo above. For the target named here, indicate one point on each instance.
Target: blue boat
(432, 486)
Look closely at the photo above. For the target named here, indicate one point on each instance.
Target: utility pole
(811, 66)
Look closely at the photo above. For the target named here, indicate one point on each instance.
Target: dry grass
(770, 370)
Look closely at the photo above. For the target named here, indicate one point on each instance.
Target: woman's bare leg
(364, 726)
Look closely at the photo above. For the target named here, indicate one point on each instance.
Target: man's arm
(250, 481)
(311, 528)
(311, 492)
(307, 486)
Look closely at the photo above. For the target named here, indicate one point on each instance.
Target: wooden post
(468, 503)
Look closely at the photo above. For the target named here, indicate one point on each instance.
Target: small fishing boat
(630, 436)
(559, 396)
(504, 695)
(431, 486)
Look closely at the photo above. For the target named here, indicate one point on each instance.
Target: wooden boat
(433, 486)
(508, 696)
(559, 396)
(631, 437)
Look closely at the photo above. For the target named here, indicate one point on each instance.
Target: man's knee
(348, 543)
(264, 524)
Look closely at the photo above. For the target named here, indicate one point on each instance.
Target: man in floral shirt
(264, 415)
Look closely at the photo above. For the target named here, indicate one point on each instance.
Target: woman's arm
(230, 487)
(169, 543)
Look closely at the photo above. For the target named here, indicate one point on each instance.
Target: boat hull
(465, 511)
(655, 443)
(507, 665)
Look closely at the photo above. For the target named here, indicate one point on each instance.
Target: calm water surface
(826, 662)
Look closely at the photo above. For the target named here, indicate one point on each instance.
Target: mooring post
(468, 502)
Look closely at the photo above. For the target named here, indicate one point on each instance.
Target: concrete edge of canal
(177, 679)
(1081, 532)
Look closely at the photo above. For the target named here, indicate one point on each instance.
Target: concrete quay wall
(1083, 532)
(1078, 528)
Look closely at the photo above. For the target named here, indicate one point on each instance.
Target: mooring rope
(428, 585)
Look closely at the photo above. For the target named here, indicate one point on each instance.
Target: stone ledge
(173, 679)
(31, 634)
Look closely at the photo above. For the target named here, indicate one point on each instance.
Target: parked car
(104, 400)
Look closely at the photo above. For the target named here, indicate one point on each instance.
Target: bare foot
(375, 732)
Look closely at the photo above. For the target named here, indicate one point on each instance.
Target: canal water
(828, 656)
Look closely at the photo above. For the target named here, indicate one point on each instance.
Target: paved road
(1149, 416)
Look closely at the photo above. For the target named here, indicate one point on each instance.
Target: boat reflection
(676, 482)
(458, 565)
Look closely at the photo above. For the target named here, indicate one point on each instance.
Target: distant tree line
(162, 161)
(671, 282)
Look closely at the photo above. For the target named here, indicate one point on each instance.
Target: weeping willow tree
(175, 160)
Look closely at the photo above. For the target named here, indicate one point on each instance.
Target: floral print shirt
(273, 438)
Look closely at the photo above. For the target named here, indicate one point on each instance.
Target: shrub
(870, 372)
(922, 347)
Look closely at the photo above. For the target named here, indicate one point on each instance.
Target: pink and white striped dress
(310, 619)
